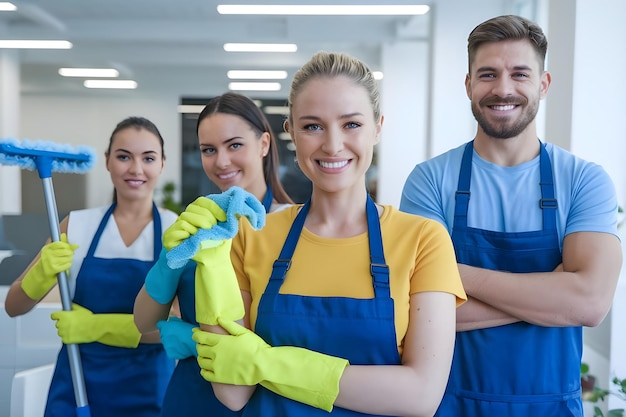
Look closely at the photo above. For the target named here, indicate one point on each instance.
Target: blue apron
(188, 394)
(120, 382)
(360, 330)
(520, 369)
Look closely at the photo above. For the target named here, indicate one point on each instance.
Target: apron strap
(96, 237)
(463, 188)
(378, 266)
(547, 203)
(156, 224)
(158, 228)
(267, 200)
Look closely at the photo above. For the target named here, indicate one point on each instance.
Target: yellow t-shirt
(419, 253)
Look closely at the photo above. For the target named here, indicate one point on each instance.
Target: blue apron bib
(188, 393)
(520, 369)
(360, 330)
(120, 382)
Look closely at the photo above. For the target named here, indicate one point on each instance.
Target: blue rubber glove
(176, 337)
(162, 281)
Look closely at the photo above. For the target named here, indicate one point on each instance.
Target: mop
(47, 157)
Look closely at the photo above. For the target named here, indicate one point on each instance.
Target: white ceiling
(177, 45)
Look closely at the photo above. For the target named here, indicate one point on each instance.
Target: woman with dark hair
(108, 251)
(238, 148)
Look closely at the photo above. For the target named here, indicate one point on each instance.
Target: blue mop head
(46, 157)
(236, 202)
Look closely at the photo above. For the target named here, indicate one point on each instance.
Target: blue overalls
(520, 369)
(120, 382)
(360, 330)
(188, 394)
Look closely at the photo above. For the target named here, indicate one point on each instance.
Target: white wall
(90, 121)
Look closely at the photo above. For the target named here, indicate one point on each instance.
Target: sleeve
(594, 204)
(421, 194)
(435, 264)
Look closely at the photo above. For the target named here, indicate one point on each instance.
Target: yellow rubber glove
(55, 257)
(216, 287)
(203, 213)
(82, 326)
(243, 358)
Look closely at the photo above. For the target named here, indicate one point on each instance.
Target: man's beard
(505, 129)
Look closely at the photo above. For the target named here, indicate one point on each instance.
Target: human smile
(135, 183)
(502, 108)
(333, 165)
(227, 176)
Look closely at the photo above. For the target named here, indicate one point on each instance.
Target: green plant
(168, 198)
(595, 394)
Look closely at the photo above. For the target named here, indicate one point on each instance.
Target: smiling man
(535, 233)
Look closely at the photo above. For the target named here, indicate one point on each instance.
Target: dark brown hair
(242, 106)
(508, 27)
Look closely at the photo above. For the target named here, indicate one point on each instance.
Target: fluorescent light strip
(282, 110)
(256, 75)
(119, 84)
(237, 86)
(334, 9)
(5, 6)
(260, 47)
(89, 72)
(33, 44)
(190, 108)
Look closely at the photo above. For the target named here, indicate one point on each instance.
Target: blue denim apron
(520, 369)
(360, 330)
(120, 382)
(188, 394)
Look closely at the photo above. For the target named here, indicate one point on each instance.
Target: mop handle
(66, 300)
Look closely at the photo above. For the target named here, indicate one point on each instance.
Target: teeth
(503, 108)
(227, 176)
(333, 165)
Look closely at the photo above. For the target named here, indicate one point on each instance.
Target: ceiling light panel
(89, 72)
(243, 86)
(5, 6)
(326, 10)
(114, 84)
(256, 75)
(34, 44)
(260, 47)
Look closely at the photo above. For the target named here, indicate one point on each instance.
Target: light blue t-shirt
(506, 199)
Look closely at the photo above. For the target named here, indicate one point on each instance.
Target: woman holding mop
(107, 251)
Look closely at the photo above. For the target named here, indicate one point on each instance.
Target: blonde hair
(333, 64)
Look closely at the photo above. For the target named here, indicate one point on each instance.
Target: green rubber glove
(55, 257)
(82, 326)
(203, 213)
(243, 358)
(216, 287)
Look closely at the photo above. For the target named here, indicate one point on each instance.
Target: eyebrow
(129, 152)
(343, 116)
(515, 68)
